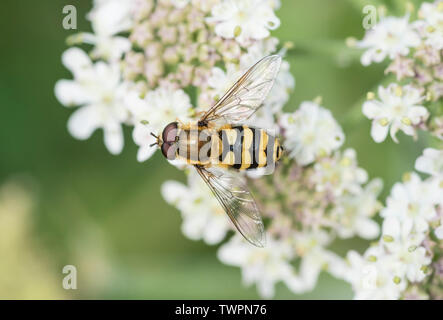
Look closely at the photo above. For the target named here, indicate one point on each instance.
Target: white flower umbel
(203, 216)
(372, 275)
(220, 81)
(244, 20)
(284, 83)
(405, 247)
(310, 132)
(282, 88)
(431, 23)
(263, 266)
(391, 37)
(153, 112)
(431, 162)
(439, 231)
(339, 174)
(98, 90)
(180, 3)
(352, 216)
(310, 247)
(399, 108)
(413, 202)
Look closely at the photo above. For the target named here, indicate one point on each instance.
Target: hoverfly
(218, 142)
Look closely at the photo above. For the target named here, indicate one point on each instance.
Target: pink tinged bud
(159, 16)
(142, 34)
(171, 56)
(438, 71)
(153, 70)
(428, 55)
(422, 75)
(153, 50)
(133, 65)
(402, 68)
(168, 35)
(185, 74)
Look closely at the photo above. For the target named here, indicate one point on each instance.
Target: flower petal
(439, 232)
(76, 60)
(379, 132)
(172, 191)
(113, 138)
(371, 109)
(145, 152)
(83, 122)
(71, 93)
(367, 228)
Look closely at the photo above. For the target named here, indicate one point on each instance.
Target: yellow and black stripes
(238, 147)
(246, 148)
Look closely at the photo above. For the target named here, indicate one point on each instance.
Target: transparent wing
(237, 201)
(247, 94)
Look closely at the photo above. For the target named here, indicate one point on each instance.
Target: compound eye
(169, 150)
(170, 132)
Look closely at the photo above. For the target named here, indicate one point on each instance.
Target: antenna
(155, 143)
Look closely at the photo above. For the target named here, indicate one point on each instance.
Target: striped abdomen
(246, 148)
(238, 147)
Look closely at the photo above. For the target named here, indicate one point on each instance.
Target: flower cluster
(153, 62)
(317, 195)
(406, 261)
(414, 48)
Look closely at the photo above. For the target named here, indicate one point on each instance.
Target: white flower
(99, 92)
(439, 231)
(399, 109)
(109, 18)
(392, 36)
(244, 19)
(405, 248)
(264, 118)
(339, 174)
(352, 215)
(180, 3)
(431, 24)
(311, 131)
(284, 82)
(431, 162)
(413, 202)
(372, 275)
(258, 50)
(310, 246)
(203, 216)
(158, 108)
(263, 266)
(220, 81)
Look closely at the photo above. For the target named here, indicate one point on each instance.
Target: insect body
(218, 144)
(238, 147)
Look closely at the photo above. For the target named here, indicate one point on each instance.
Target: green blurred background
(103, 213)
